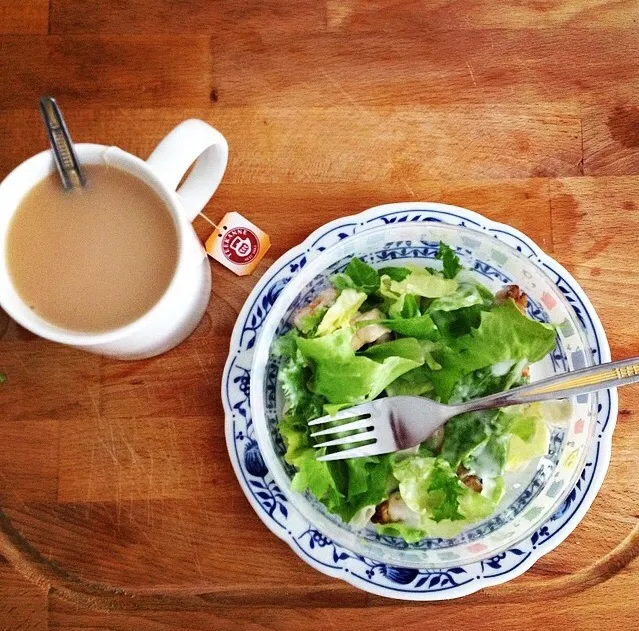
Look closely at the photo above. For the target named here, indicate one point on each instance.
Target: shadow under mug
(174, 317)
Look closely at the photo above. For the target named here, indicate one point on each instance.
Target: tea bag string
(207, 219)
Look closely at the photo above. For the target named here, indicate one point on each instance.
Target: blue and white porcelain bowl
(546, 490)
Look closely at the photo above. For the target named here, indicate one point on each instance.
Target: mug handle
(192, 142)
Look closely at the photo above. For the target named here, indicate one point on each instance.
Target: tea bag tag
(238, 244)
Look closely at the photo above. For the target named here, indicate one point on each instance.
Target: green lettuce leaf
(364, 276)
(466, 295)
(431, 489)
(313, 475)
(420, 327)
(415, 382)
(527, 429)
(394, 273)
(401, 530)
(457, 323)
(464, 433)
(308, 324)
(423, 284)
(444, 485)
(477, 384)
(339, 314)
(406, 306)
(488, 460)
(521, 451)
(342, 281)
(367, 484)
(504, 334)
(286, 345)
(341, 376)
(293, 376)
(451, 262)
(406, 347)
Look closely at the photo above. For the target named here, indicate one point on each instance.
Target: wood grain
(28, 17)
(196, 16)
(492, 66)
(352, 144)
(603, 605)
(81, 70)
(116, 491)
(23, 605)
(451, 15)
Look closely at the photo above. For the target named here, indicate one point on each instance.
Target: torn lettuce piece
(286, 345)
(399, 529)
(343, 377)
(520, 450)
(308, 324)
(451, 263)
(406, 347)
(466, 295)
(292, 377)
(421, 327)
(364, 276)
(423, 284)
(443, 504)
(406, 306)
(504, 333)
(416, 382)
(529, 431)
(394, 273)
(339, 314)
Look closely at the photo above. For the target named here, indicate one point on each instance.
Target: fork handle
(611, 375)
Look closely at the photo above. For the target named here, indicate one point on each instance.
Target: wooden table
(116, 491)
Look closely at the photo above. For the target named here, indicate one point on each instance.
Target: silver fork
(395, 423)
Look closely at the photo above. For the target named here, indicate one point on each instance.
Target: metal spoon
(64, 153)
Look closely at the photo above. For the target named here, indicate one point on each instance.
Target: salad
(425, 331)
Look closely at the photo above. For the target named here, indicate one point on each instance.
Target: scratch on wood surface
(91, 471)
(313, 180)
(409, 190)
(153, 546)
(472, 74)
(205, 372)
(135, 460)
(200, 460)
(375, 120)
(101, 424)
(22, 363)
(174, 471)
(188, 540)
(149, 493)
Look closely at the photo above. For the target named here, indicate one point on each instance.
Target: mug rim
(15, 306)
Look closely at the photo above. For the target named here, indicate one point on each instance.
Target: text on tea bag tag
(238, 244)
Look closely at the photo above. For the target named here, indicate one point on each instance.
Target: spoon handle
(63, 151)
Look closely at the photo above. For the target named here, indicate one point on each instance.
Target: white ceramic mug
(184, 302)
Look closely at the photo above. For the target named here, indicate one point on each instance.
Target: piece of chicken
(325, 299)
(371, 333)
(471, 481)
(514, 292)
(436, 439)
(394, 509)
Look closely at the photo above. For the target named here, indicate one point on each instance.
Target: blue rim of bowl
(431, 584)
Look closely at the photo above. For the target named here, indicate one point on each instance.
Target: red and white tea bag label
(238, 244)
